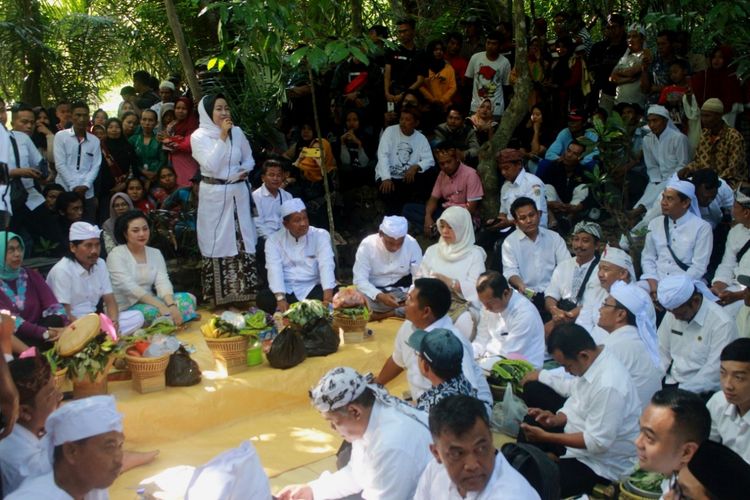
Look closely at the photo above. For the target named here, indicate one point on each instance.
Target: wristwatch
(45, 335)
(280, 296)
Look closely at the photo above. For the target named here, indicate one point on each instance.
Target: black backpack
(538, 469)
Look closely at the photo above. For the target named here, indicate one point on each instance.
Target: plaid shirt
(456, 385)
(724, 153)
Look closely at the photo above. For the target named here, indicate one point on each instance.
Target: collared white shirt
(297, 265)
(728, 426)
(6, 152)
(627, 346)
(589, 315)
(505, 483)
(666, 154)
(386, 462)
(398, 152)
(77, 162)
(528, 185)
(406, 357)
(729, 268)
(693, 349)
(533, 261)
(77, 287)
(561, 284)
(604, 406)
(44, 487)
(269, 218)
(28, 157)
(517, 330)
(23, 455)
(375, 267)
(691, 241)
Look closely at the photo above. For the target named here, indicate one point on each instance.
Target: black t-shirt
(406, 66)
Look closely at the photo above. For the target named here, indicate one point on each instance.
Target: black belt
(220, 182)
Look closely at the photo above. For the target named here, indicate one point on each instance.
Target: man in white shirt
(466, 463)
(574, 281)
(81, 280)
(678, 242)
(672, 427)
(730, 407)
(627, 316)
(692, 335)
(426, 308)
(531, 253)
(167, 92)
(5, 153)
(509, 324)
(665, 152)
(404, 155)
(299, 260)
(390, 441)
(87, 438)
(267, 200)
(487, 73)
(25, 162)
(599, 419)
(78, 157)
(385, 265)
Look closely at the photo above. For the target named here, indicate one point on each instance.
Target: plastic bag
(508, 414)
(161, 345)
(319, 338)
(287, 349)
(182, 370)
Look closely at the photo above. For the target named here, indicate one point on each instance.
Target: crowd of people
(650, 345)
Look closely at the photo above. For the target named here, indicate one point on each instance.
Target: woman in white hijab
(457, 262)
(226, 233)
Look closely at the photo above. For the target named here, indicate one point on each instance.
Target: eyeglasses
(613, 306)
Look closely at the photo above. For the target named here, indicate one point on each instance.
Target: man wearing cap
(518, 183)
(87, 438)
(385, 265)
(721, 147)
(665, 152)
(692, 334)
(575, 129)
(509, 324)
(679, 241)
(466, 463)
(390, 440)
(426, 308)
(80, 281)
(574, 281)
(299, 259)
(714, 472)
(440, 354)
(167, 93)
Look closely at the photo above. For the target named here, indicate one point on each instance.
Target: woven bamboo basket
(626, 493)
(230, 353)
(354, 330)
(148, 373)
(97, 387)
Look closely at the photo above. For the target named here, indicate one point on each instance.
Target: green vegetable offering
(646, 481)
(306, 311)
(512, 371)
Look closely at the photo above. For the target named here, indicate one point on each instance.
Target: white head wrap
(639, 303)
(459, 219)
(659, 110)
(741, 197)
(80, 231)
(637, 28)
(292, 206)
(591, 228)
(673, 291)
(688, 189)
(83, 418)
(394, 226)
(166, 84)
(620, 258)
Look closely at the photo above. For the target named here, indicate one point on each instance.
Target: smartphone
(311, 152)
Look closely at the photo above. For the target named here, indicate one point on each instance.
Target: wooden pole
(182, 49)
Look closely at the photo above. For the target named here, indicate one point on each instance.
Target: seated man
(730, 407)
(531, 253)
(576, 128)
(440, 354)
(455, 130)
(597, 425)
(299, 260)
(404, 155)
(426, 308)
(571, 285)
(672, 427)
(678, 242)
(466, 463)
(267, 200)
(627, 316)
(565, 185)
(384, 267)
(390, 440)
(715, 471)
(509, 324)
(81, 280)
(456, 185)
(44, 218)
(692, 335)
(87, 438)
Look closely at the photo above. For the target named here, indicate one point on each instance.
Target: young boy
(267, 212)
(671, 95)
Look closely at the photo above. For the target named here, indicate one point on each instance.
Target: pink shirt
(464, 186)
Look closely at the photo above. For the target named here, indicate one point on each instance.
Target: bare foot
(132, 459)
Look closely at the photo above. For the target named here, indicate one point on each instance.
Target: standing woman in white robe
(226, 233)
(457, 261)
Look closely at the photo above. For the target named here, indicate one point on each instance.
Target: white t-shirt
(488, 80)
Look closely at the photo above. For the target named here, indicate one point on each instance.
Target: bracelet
(170, 305)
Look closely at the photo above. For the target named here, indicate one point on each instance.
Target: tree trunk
(357, 17)
(512, 117)
(182, 48)
(31, 90)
